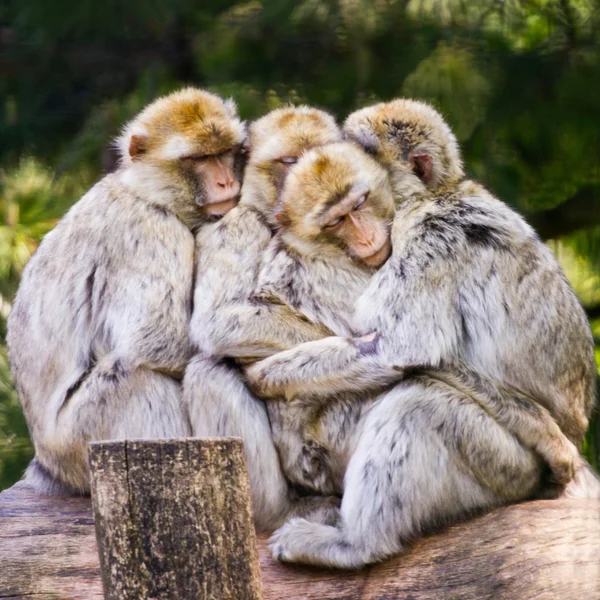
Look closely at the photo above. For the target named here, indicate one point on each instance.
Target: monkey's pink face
(198, 146)
(339, 200)
(220, 182)
(357, 221)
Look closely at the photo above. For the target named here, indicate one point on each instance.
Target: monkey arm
(410, 307)
(262, 329)
(323, 368)
(401, 339)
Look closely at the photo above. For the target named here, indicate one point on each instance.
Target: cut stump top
(547, 549)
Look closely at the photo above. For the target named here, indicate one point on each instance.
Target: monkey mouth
(378, 258)
(221, 207)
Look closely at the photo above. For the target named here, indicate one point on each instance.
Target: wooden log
(173, 520)
(547, 549)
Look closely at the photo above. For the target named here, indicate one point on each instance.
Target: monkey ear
(137, 146)
(422, 165)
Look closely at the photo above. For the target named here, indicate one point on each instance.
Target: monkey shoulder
(238, 239)
(491, 228)
(461, 244)
(323, 290)
(53, 276)
(277, 270)
(466, 226)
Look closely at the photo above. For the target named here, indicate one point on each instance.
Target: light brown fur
(98, 334)
(231, 325)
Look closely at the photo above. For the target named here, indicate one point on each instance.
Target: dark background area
(519, 81)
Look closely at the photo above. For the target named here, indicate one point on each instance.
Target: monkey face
(406, 133)
(213, 180)
(277, 141)
(196, 141)
(339, 201)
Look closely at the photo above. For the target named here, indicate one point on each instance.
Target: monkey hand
(367, 344)
(562, 457)
(263, 384)
(304, 368)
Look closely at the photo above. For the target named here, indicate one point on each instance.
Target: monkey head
(185, 150)
(408, 132)
(337, 201)
(277, 140)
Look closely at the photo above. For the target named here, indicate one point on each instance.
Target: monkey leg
(314, 440)
(110, 402)
(304, 460)
(529, 421)
(424, 455)
(220, 405)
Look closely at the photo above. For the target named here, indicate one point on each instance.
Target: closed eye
(201, 157)
(334, 223)
(360, 202)
(289, 160)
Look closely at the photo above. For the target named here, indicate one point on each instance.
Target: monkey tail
(46, 484)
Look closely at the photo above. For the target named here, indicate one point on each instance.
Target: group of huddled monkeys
(374, 325)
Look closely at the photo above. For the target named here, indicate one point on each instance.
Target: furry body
(468, 283)
(230, 325)
(98, 334)
(92, 357)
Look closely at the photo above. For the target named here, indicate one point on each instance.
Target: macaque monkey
(468, 283)
(229, 325)
(414, 133)
(312, 438)
(98, 333)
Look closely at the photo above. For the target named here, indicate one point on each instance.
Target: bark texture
(547, 549)
(173, 520)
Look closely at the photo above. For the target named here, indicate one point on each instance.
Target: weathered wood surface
(173, 520)
(547, 550)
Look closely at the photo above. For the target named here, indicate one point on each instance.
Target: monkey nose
(228, 188)
(226, 182)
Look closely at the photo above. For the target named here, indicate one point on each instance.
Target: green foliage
(450, 78)
(519, 81)
(15, 448)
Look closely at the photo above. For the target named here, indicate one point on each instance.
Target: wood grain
(173, 520)
(547, 550)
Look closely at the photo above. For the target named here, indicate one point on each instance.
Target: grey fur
(468, 282)
(98, 334)
(230, 325)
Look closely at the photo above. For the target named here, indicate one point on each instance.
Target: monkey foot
(287, 543)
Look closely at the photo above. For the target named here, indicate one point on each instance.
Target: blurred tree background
(519, 80)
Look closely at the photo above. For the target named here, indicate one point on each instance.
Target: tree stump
(173, 520)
